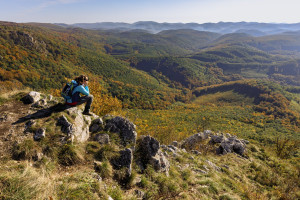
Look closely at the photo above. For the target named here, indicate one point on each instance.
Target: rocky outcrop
(194, 140)
(79, 128)
(229, 145)
(148, 150)
(125, 129)
(123, 161)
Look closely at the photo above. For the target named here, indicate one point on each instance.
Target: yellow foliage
(103, 103)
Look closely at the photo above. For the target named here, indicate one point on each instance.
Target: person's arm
(84, 90)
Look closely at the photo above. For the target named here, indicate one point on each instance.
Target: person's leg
(88, 99)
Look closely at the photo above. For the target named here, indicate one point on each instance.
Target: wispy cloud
(49, 3)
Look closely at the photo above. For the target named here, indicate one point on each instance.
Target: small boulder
(66, 126)
(192, 141)
(96, 125)
(175, 143)
(39, 134)
(28, 126)
(31, 97)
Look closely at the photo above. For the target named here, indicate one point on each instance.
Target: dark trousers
(88, 99)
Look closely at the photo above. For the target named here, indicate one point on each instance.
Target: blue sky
(199, 11)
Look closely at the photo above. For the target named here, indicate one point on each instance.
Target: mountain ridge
(220, 27)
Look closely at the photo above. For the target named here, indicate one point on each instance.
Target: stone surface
(39, 134)
(149, 152)
(96, 125)
(192, 141)
(102, 138)
(214, 166)
(230, 145)
(79, 128)
(31, 97)
(125, 128)
(66, 126)
(124, 160)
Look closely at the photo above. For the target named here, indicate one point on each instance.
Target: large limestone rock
(79, 128)
(31, 97)
(80, 124)
(148, 150)
(125, 129)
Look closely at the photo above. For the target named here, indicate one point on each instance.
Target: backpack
(66, 92)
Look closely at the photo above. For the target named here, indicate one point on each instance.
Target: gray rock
(102, 138)
(160, 162)
(207, 133)
(228, 135)
(125, 128)
(245, 141)
(50, 97)
(40, 104)
(31, 97)
(196, 152)
(37, 156)
(139, 194)
(96, 125)
(175, 143)
(28, 126)
(231, 145)
(66, 126)
(149, 152)
(216, 139)
(192, 141)
(214, 166)
(79, 129)
(124, 160)
(39, 134)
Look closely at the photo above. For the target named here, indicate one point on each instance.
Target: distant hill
(221, 27)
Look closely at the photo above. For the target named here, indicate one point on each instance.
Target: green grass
(221, 98)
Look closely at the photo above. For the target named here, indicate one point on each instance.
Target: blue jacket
(76, 92)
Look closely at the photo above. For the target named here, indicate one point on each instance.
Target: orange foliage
(103, 103)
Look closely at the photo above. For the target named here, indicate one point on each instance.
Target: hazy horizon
(131, 11)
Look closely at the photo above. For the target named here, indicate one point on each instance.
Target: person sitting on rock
(81, 94)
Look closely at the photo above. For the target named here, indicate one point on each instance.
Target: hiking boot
(87, 113)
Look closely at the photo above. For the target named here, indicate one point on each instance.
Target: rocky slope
(50, 151)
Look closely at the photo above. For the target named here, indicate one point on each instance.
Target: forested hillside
(171, 84)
